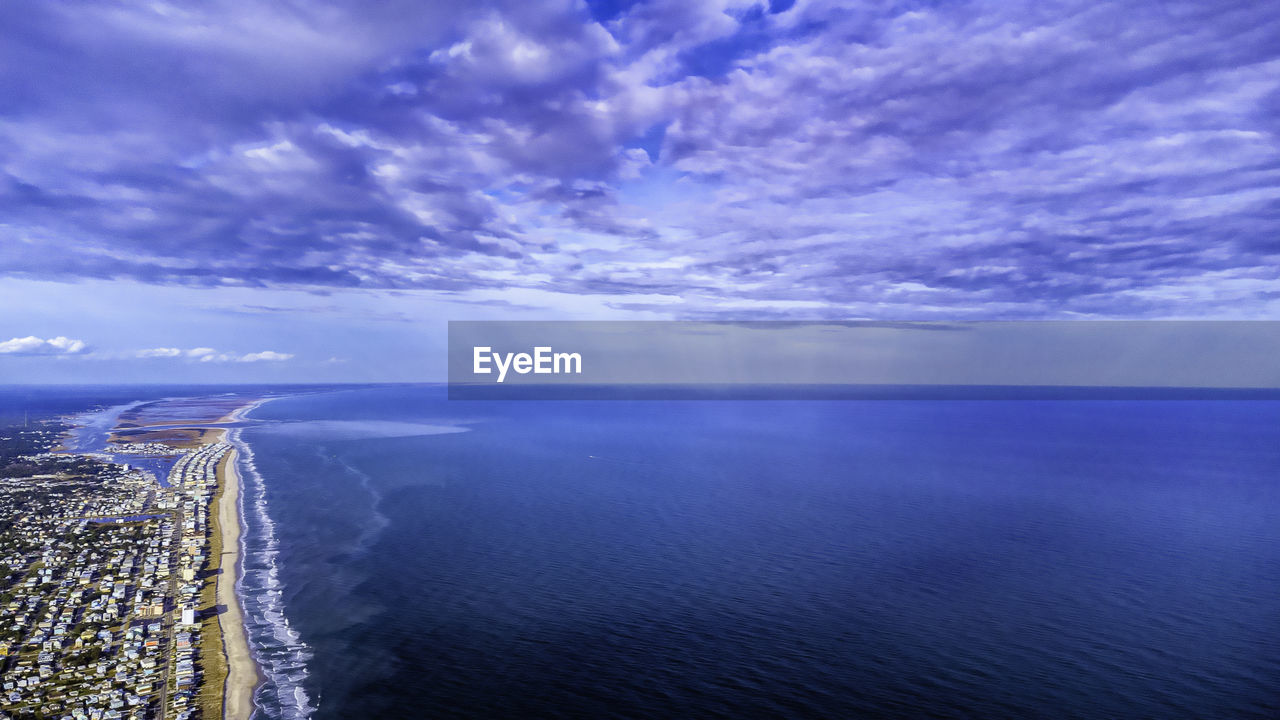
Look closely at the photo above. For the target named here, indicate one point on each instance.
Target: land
(179, 438)
(163, 421)
(210, 698)
(242, 676)
(179, 411)
(117, 594)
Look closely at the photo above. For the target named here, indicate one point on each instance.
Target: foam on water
(280, 653)
(317, 430)
(378, 521)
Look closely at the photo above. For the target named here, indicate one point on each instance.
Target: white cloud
(32, 345)
(208, 355)
(159, 353)
(265, 355)
(1060, 158)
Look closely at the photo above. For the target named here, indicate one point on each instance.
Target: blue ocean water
(407, 556)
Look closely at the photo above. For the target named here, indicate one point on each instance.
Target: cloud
(211, 355)
(32, 345)
(265, 355)
(159, 353)
(991, 159)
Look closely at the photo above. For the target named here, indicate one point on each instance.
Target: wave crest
(279, 651)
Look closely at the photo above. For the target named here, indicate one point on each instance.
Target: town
(107, 607)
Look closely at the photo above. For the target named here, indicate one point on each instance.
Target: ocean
(409, 556)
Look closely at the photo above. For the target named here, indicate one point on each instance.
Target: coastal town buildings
(101, 568)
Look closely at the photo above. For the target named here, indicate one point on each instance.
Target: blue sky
(246, 190)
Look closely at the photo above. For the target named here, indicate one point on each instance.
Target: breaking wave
(281, 654)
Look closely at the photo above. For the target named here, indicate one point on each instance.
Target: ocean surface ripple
(799, 560)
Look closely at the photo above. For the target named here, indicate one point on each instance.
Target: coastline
(242, 672)
(281, 661)
(229, 673)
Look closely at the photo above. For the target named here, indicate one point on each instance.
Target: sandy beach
(242, 673)
(237, 414)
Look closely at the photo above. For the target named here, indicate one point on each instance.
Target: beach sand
(242, 672)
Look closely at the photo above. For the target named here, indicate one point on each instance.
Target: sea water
(408, 556)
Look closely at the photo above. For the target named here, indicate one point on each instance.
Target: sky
(259, 191)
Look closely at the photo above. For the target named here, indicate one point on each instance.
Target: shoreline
(243, 673)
